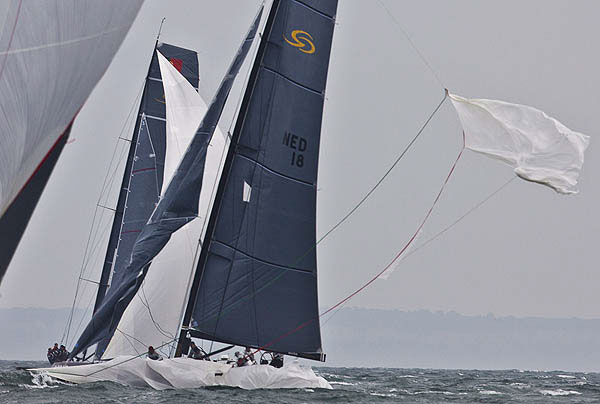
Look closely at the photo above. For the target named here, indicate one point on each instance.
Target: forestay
(259, 268)
(52, 54)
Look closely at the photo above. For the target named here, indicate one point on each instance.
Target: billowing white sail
(52, 54)
(540, 148)
(154, 315)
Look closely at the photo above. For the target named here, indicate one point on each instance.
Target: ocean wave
(490, 392)
(560, 392)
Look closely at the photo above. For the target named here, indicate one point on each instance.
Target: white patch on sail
(247, 192)
(540, 148)
(185, 110)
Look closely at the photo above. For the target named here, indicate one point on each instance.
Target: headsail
(144, 171)
(177, 207)
(153, 317)
(52, 54)
(257, 272)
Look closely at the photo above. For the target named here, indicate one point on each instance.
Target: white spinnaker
(52, 54)
(154, 315)
(540, 148)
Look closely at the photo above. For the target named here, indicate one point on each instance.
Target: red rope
(363, 287)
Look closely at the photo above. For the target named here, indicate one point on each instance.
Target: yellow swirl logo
(301, 40)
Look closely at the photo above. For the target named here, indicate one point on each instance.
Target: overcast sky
(528, 251)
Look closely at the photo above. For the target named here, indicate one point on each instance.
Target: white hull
(184, 373)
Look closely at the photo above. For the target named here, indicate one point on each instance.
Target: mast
(182, 343)
(115, 232)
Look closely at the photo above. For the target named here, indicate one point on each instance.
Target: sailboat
(249, 197)
(252, 281)
(43, 85)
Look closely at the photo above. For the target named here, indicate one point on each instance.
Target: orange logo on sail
(301, 40)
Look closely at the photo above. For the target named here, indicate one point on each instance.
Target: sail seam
(313, 9)
(292, 81)
(308, 184)
(158, 118)
(308, 271)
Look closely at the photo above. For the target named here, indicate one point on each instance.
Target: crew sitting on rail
(241, 359)
(62, 354)
(152, 354)
(196, 352)
(50, 356)
(249, 356)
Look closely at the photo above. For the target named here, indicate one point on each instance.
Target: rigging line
(369, 193)
(86, 258)
(412, 44)
(388, 266)
(128, 359)
(467, 213)
(146, 303)
(440, 233)
(130, 337)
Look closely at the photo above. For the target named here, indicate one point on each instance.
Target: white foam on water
(560, 392)
(383, 395)
(490, 392)
(566, 376)
(344, 383)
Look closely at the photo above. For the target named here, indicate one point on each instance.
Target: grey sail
(257, 271)
(176, 207)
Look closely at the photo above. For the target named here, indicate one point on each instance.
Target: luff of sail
(43, 84)
(258, 267)
(144, 171)
(177, 207)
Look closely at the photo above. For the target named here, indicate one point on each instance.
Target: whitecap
(344, 383)
(559, 392)
(566, 376)
(382, 395)
(489, 392)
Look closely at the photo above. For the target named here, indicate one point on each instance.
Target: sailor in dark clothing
(50, 356)
(55, 348)
(152, 354)
(277, 360)
(63, 354)
(195, 352)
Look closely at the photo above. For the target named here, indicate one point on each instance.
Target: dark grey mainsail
(257, 271)
(177, 206)
(143, 176)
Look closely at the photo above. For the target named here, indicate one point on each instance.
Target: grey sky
(528, 251)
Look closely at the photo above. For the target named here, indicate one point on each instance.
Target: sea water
(351, 385)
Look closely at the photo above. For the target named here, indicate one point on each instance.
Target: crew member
(277, 360)
(152, 354)
(195, 352)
